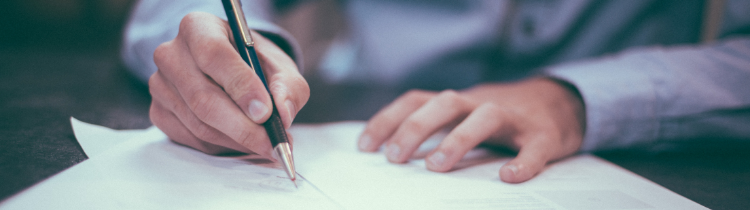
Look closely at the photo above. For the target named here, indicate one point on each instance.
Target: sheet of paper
(327, 155)
(95, 139)
(151, 172)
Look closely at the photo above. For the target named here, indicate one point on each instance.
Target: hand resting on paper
(206, 97)
(540, 118)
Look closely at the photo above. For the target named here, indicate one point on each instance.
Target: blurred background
(70, 25)
(96, 25)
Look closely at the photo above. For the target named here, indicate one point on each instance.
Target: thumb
(530, 160)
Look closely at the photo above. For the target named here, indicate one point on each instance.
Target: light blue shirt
(645, 80)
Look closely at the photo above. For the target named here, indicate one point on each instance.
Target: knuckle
(239, 85)
(247, 139)
(414, 126)
(413, 97)
(154, 113)
(202, 103)
(451, 94)
(175, 107)
(295, 87)
(462, 138)
(191, 19)
(210, 53)
(493, 115)
(161, 54)
(277, 86)
(449, 98)
(158, 88)
(154, 82)
(378, 123)
(491, 108)
(203, 131)
(303, 88)
(280, 91)
(206, 44)
(378, 126)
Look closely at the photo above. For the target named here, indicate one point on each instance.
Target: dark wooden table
(41, 90)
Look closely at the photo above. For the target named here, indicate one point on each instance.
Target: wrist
(572, 100)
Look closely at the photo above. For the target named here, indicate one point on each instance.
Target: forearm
(646, 97)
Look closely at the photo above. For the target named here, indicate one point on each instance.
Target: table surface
(40, 91)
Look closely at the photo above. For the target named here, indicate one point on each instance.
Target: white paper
(359, 180)
(95, 139)
(150, 172)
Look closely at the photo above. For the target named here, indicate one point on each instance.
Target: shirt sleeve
(153, 22)
(657, 98)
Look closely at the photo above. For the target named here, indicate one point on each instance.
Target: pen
(246, 48)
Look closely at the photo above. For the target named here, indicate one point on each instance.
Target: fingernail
(513, 169)
(292, 111)
(437, 159)
(257, 110)
(393, 152)
(364, 142)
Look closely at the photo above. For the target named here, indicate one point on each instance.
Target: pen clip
(239, 16)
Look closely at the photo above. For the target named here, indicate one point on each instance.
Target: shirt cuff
(620, 100)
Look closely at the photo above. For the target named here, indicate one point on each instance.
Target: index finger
(386, 121)
(290, 90)
(209, 41)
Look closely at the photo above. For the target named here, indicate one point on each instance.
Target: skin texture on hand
(540, 118)
(206, 97)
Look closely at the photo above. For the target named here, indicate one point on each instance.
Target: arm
(650, 98)
(646, 98)
(631, 100)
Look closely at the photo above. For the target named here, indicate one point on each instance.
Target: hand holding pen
(206, 97)
(245, 44)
